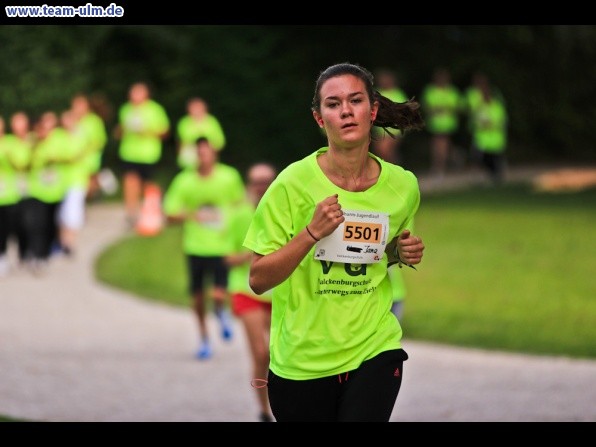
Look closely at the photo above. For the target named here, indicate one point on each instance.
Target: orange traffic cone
(151, 220)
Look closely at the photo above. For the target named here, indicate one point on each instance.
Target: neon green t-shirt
(471, 98)
(394, 94)
(190, 193)
(442, 105)
(469, 101)
(189, 129)
(240, 219)
(92, 130)
(490, 126)
(14, 175)
(398, 283)
(9, 191)
(142, 126)
(329, 317)
(75, 160)
(49, 176)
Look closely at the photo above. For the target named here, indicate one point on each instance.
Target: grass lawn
(4, 418)
(504, 268)
(151, 267)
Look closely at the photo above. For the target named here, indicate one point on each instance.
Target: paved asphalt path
(72, 349)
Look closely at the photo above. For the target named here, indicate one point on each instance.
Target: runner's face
(80, 106)
(206, 154)
(346, 113)
(20, 124)
(259, 179)
(198, 109)
(139, 93)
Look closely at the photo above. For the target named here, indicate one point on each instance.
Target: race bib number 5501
(360, 239)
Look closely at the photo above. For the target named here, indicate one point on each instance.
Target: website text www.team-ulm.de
(59, 11)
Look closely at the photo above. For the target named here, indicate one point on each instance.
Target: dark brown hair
(395, 115)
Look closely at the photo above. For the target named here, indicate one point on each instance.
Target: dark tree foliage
(258, 80)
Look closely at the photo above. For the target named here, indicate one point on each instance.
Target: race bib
(211, 217)
(360, 239)
(134, 122)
